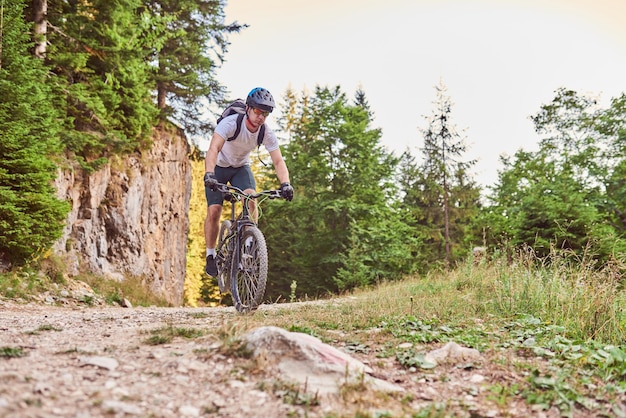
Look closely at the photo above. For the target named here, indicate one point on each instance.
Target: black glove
(210, 181)
(286, 191)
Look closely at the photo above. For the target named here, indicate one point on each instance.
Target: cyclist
(229, 162)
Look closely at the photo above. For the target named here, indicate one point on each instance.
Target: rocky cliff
(130, 217)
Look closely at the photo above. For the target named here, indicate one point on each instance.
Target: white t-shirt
(236, 153)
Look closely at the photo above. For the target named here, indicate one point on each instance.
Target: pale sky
(499, 59)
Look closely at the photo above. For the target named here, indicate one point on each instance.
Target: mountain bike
(241, 254)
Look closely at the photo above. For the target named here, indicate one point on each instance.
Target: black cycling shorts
(240, 177)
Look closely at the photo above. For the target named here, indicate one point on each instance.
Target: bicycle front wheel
(249, 271)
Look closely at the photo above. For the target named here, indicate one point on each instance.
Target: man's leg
(214, 201)
(212, 225)
(211, 229)
(244, 179)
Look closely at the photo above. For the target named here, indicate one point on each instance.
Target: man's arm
(279, 165)
(210, 160)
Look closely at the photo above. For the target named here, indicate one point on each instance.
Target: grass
(46, 327)
(23, 283)
(560, 321)
(46, 277)
(12, 352)
(132, 288)
(166, 335)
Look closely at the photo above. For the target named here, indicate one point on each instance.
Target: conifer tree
(121, 64)
(443, 192)
(192, 47)
(342, 229)
(31, 216)
(99, 51)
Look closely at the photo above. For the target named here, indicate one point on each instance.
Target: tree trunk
(1, 26)
(446, 208)
(161, 88)
(40, 11)
(446, 220)
(161, 95)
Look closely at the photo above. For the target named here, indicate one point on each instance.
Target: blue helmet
(260, 98)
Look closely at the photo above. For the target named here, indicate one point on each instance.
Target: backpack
(239, 107)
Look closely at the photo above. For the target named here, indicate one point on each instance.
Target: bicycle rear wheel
(224, 248)
(249, 271)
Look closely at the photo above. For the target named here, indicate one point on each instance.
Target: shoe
(210, 268)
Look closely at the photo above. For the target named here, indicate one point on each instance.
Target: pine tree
(444, 193)
(192, 48)
(99, 51)
(342, 229)
(31, 216)
(123, 64)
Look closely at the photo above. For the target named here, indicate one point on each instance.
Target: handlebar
(237, 192)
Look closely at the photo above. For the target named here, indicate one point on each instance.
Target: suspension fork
(238, 225)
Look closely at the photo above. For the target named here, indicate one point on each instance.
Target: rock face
(130, 217)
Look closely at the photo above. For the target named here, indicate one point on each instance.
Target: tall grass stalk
(563, 290)
(588, 302)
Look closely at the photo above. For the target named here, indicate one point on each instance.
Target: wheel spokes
(250, 271)
(248, 283)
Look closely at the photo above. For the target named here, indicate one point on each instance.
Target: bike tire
(249, 271)
(224, 257)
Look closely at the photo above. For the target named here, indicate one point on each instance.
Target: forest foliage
(104, 73)
(81, 81)
(31, 217)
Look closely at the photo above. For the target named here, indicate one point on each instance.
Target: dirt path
(91, 362)
(98, 362)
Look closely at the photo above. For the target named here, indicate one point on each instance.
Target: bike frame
(243, 219)
(234, 240)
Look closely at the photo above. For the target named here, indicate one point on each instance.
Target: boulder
(306, 360)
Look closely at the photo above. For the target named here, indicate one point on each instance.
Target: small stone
(477, 378)
(102, 362)
(219, 402)
(120, 392)
(189, 411)
(429, 393)
(121, 407)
